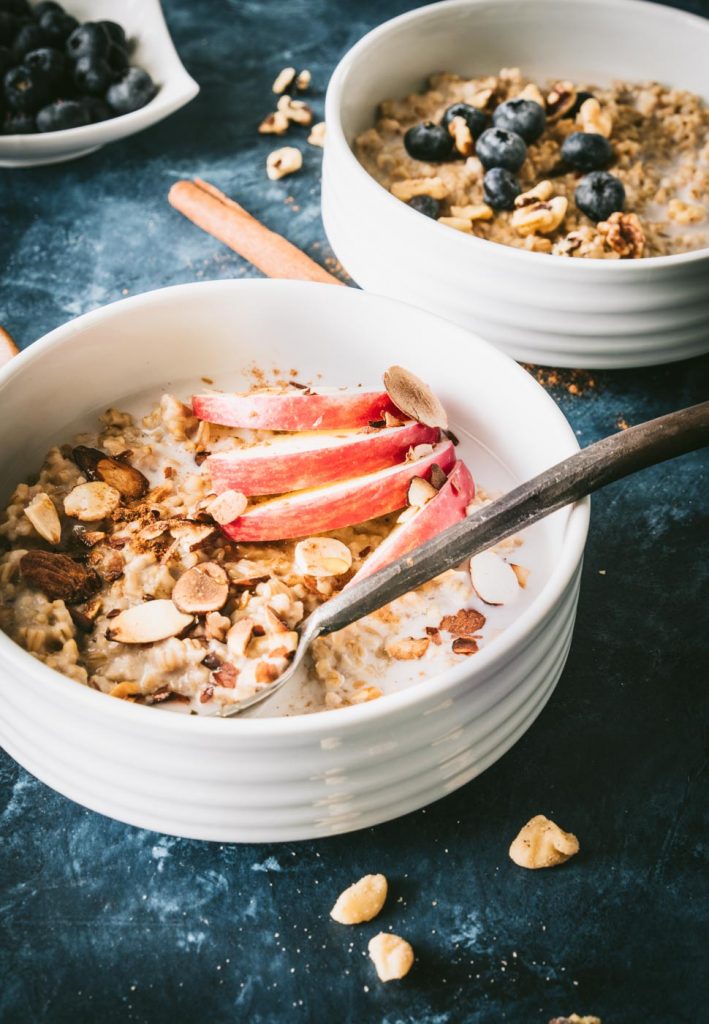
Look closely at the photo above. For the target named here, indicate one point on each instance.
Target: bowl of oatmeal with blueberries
(527, 133)
(195, 470)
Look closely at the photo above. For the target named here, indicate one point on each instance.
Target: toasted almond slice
(91, 502)
(407, 648)
(95, 464)
(147, 623)
(391, 955)
(407, 515)
(420, 491)
(322, 556)
(43, 515)
(362, 901)
(494, 580)
(521, 573)
(409, 394)
(227, 506)
(392, 421)
(239, 637)
(203, 588)
(192, 534)
(419, 451)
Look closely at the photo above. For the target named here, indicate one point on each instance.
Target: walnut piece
(281, 162)
(362, 901)
(274, 124)
(458, 223)
(317, 134)
(540, 193)
(540, 218)
(542, 844)
(391, 955)
(303, 80)
(560, 100)
(284, 79)
(575, 1019)
(296, 111)
(462, 138)
(593, 119)
(474, 211)
(58, 576)
(410, 187)
(623, 234)
(531, 92)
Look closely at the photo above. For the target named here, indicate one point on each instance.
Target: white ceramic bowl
(144, 25)
(268, 779)
(538, 308)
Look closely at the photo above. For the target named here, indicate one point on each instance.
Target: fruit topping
(497, 147)
(599, 194)
(500, 188)
(524, 117)
(428, 141)
(586, 151)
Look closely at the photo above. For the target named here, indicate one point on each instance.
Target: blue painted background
(101, 922)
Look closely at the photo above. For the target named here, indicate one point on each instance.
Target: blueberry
(474, 118)
(30, 37)
(97, 109)
(525, 117)
(50, 66)
(115, 33)
(7, 61)
(426, 205)
(500, 188)
(428, 141)
(25, 91)
(117, 58)
(58, 26)
(599, 194)
(88, 40)
(45, 6)
(62, 114)
(131, 92)
(19, 124)
(581, 98)
(586, 151)
(8, 27)
(93, 75)
(20, 8)
(499, 148)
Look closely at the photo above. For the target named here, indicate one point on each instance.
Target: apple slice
(304, 513)
(294, 410)
(289, 463)
(445, 509)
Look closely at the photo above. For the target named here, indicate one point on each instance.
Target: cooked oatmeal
(660, 155)
(115, 571)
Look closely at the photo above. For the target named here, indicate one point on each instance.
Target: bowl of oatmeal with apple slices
(141, 589)
(538, 129)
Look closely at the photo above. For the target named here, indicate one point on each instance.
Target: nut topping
(96, 465)
(274, 124)
(303, 80)
(560, 100)
(474, 211)
(494, 580)
(410, 187)
(521, 573)
(362, 901)
(322, 556)
(542, 844)
(414, 398)
(466, 622)
(420, 491)
(227, 506)
(532, 92)
(58, 576)
(203, 588)
(91, 502)
(593, 119)
(239, 637)
(540, 193)
(296, 111)
(317, 134)
(147, 623)
(462, 137)
(407, 648)
(539, 218)
(464, 645)
(43, 515)
(575, 1019)
(281, 162)
(391, 955)
(622, 233)
(284, 79)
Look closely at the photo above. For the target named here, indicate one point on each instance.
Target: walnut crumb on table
(362, 901)
(542, 844)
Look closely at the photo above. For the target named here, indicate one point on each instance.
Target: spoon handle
(595, 466)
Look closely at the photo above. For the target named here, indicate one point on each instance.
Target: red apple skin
(295, 410)
(265, 470)
(447, 508)
(305, 513)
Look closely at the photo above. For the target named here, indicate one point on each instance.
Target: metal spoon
(601, 463)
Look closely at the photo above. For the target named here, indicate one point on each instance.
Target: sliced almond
(43, 515)
(96, 465)
(322, 556)
(419, 451)
(203, 588)
(194, 535)
(91, 502)
(521, 573)
(392, 421)
(125, 690)
(420, 491)
(414, 398)
(407, 648)
(147, 623)
(408, 514)
(494, 579)
(239, 637)
(274, 624)
(227, 506)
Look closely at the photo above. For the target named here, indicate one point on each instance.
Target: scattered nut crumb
(43, 515)
(274, 124)
(284, 79)
(362, 901)
(542, 844)
(391, 955)
(575, 1019)
(303, 80)
(317, 134)
(281, 162)
(407, 648)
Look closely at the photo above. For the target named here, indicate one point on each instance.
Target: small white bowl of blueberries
(78, 76)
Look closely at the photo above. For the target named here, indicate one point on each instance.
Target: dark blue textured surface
(100, 922)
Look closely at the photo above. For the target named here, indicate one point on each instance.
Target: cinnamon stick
(226, 220)
(8, 348)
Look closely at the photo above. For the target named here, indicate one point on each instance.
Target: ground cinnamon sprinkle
(574, 382)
